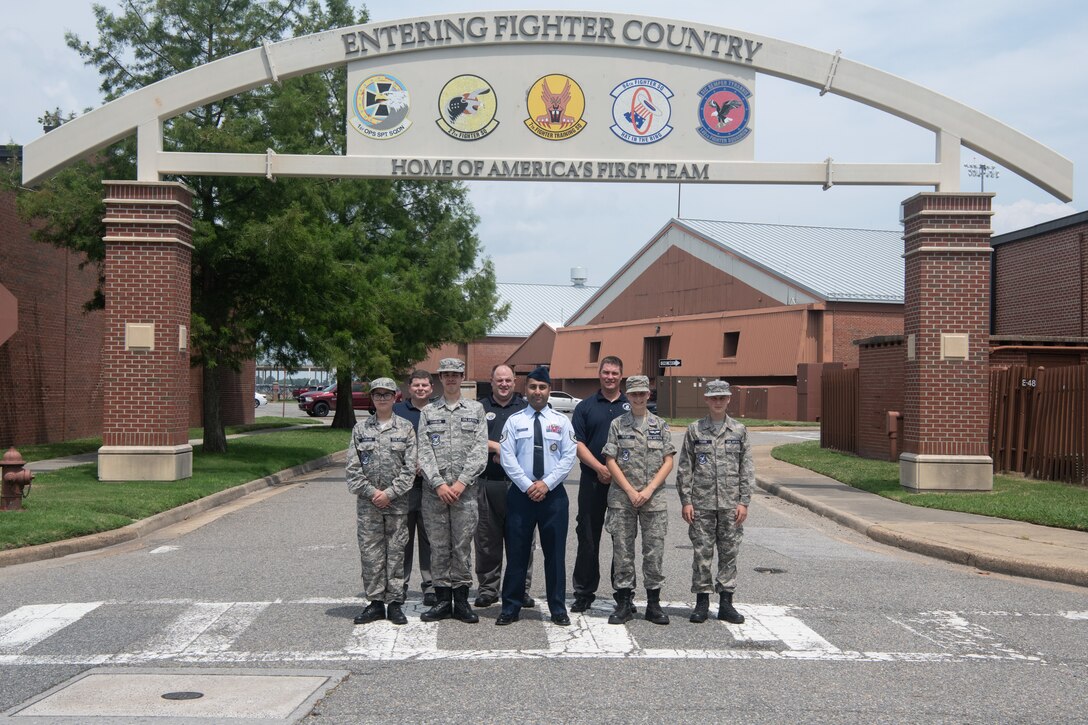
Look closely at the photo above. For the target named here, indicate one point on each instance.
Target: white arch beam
(148, 107)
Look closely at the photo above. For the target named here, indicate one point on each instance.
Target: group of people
(449, 472)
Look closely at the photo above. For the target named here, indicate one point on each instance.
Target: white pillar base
(918, 472)
(145, 463)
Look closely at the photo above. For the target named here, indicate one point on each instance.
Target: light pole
(983, 171)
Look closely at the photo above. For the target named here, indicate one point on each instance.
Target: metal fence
(839, 417)
(1039, 422)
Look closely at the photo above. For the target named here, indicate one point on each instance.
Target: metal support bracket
(831, 71)
(266, 49)
(830, 178)
(268, 155)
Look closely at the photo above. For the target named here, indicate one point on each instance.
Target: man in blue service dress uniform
(537, 450)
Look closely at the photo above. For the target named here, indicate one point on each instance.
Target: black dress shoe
(561, 619)
(581, 604)
(505, 619)
(429, 600)
(529, 602)
(484, 601)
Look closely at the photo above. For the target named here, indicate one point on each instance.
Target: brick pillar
(947, 325)
(145, 370)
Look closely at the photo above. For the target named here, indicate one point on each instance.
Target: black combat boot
(373, 612)
(726, 611)
(622, 614)
(395, 614)
(653, 607)
(462, 610)
(443, 607)
(702, 609)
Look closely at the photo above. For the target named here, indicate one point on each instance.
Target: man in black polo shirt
(503, 402)
(420, 389)
(592, 418)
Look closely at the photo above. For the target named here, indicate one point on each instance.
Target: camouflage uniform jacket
(639, 454)
(452, 442)
(382, 458)
(715, 471)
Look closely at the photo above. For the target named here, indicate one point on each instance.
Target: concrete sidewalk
(991, 544)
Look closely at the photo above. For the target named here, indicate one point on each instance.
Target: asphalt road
(840, 628)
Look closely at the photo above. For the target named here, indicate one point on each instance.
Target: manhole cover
(769, 570)
(182, 695)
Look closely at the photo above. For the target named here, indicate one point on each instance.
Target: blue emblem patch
(702, 459)
(724, 112)
(364, 458)
(641, 111)
(436, 439)
(625, 455)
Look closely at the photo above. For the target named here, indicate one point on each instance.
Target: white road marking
(27, 626)
(1075, 615)
(206, 632)
(953, 632)
(163, 550)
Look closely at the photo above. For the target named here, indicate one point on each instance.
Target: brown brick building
(744, 302)
(51, 368)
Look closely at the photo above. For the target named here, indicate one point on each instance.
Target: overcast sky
(1025, 64)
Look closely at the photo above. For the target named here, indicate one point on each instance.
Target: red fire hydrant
(16, 481)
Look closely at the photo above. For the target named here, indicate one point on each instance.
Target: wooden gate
(1039, 422)
(839, 419)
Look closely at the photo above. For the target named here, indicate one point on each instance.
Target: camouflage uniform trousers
(382, 538)
(451, 530)
(624, 524)
(715, 527)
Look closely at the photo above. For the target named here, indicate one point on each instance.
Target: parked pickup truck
(320, 402)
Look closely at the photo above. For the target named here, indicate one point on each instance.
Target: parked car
(319, 403)
(563, 402)
(296, 393)
(259, 400)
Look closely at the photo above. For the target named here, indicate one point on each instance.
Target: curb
(967, 557)
(139, 529)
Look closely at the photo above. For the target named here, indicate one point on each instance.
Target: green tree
(364, 276)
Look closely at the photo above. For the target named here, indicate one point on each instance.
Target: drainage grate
(769, 570)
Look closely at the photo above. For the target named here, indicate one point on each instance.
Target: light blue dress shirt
(516, 447)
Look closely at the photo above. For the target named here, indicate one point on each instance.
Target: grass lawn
(42, 451)
(73, 502)
(1021, 499)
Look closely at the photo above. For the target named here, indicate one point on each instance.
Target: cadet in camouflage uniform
(452, 455)
(381, 467)
(715, 483)
(639, 455)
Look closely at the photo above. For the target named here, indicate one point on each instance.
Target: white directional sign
(669, 363)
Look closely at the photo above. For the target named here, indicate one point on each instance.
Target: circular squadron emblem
(556, 105)
(466, 108)
(724, 112)
(381, 107)
(641, 111)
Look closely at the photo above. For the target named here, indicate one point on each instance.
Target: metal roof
(532, 304)
(846, 265)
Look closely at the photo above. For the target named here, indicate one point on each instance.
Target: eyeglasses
(381, 396)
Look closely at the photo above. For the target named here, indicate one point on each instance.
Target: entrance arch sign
(442, 48)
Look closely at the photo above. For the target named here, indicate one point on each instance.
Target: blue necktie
(538, 449)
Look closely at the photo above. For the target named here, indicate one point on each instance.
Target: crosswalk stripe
(26, 626)
(208, 632)
(953, 632)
